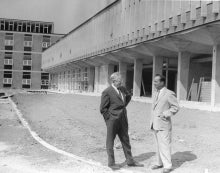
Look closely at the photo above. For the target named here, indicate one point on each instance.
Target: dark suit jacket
(112, 106)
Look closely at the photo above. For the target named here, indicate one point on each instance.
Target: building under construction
(140, 38)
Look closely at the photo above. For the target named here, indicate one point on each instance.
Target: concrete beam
(103, 60)
(120, 58)
(213, 31)
(92, 62)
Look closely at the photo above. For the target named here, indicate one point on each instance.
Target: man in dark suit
(114, 100)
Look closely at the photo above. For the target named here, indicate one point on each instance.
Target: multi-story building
(140, 38)
(21, 45)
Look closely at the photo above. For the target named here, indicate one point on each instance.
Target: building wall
(18, 42)
(18, 54)
(35, 80)
(2, 41)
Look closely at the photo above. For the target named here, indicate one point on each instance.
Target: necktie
(158, 92)
(120, 94)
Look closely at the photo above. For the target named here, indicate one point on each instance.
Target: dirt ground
(73, 123)
(20, 153)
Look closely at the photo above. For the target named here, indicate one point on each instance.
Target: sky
(66, 14)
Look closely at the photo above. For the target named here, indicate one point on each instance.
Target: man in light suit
(114, 100)
(164, 106)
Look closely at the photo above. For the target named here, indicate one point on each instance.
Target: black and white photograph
(104, 86)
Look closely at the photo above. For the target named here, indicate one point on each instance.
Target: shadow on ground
(140, 158)
(180, 158)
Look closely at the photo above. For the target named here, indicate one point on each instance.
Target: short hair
(162, 78)
(115, 76)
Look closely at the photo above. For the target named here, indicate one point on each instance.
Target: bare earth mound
(73, 123)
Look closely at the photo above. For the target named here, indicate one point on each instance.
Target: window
(7, 74)
(9, 41)
(2, 27)
(46, 42)
(19, 27)
(7, 80)
(11, 26)
(26, 81)
(27, 59)
(37, 28)
(28, 27)
(27, 42)
(45, 29)
(45, 80)
(26, 75)
(8, 58)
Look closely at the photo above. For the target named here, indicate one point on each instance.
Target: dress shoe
(114, 167)
(135, 164)
(156, 167)
(166, 170)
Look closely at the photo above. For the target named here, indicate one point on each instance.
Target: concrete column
(157, 69)
(215, 91)
(123, 71)
(97, 76)
(138, 66)
(91, 77)
(105, 72)
(183, 75)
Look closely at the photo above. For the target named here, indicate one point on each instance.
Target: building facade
(140, 38)
(21, 46)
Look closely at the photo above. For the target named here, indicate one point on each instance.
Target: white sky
(66, 14)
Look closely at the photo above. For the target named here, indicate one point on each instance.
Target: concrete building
(140, 38)
(21, 46)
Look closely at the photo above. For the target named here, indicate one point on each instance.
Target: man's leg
(111, 133)
(124, 138)
(164, 141)
(158, 158)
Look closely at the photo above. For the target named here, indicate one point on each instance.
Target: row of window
(26, 79)
(26, 26)
(28, 42)
(8, 61)
(77, 74)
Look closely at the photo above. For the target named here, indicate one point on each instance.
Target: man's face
(157, 83)
(118, 82)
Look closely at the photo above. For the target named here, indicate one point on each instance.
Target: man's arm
(174, 106)
(105, 102)
(127, 96)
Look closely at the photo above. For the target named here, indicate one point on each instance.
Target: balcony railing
(45, 82)
(27, 43)
(9, 42)
(26, 81)
(7, 81)
(8, 61)
(27, 62)
(126, 22)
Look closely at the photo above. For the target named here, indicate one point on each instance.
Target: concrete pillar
(123, 71)
(91, 77)
(97, 76)
(157, 69)
(183, 75)
(105, 72)
(215, 91)
(138, 66)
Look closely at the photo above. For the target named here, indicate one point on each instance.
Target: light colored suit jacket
(162, 110)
